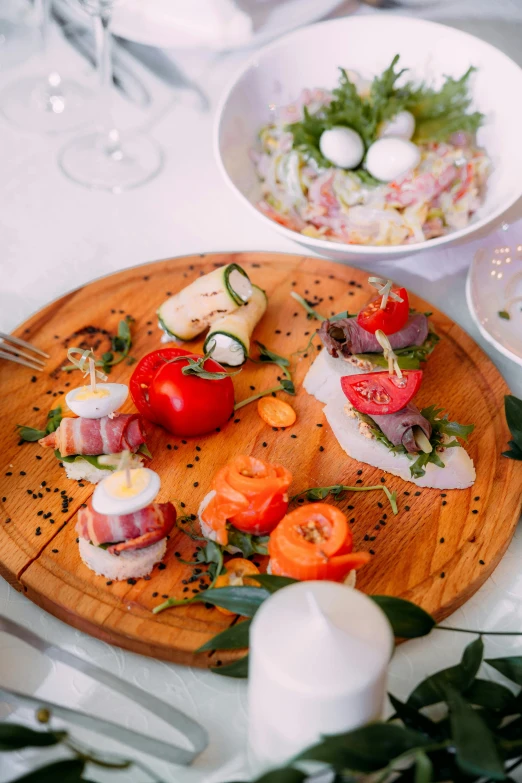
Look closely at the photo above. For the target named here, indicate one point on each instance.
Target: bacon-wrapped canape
(125, 545)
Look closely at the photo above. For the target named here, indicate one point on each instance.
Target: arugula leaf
(247, 544)
(121, 344)
(31, 435)
(513, 409)
(266, 355)
(409, 358)
(442, 426)
(90, 458)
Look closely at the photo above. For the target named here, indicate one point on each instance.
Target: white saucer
(494, 280)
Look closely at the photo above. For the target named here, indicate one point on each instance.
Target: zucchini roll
(191, 310)
(231, 334)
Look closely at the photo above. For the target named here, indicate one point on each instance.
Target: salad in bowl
(387, 161)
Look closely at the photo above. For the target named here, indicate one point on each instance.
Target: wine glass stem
(102, 35)
(51, 96)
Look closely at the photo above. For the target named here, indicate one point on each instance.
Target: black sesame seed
(161, 566)
(443, 494)
(185, 590)
(39, 513)
(131, 581)
(155, 594)
(164, 595)
(33, 379)
(417, 494)
(198, 448)
(441, 540)
(293, 436)
(184, 442)
(252, 388)
(442, 575)
(236, 421)
(444, 502)
(380, 504)
(406, 508)
(4, 498)
(359, 472)
(38, 456)
(190, 465)
(318, 425)
(196, 484)
(383, 480)
(9, 473)
(359, 481)
(54, 551)
(169, 446)
(482, 562)
(406, 493)
(321, 448)
(265, 444)
(371, 551)
(475, 511)
(476, 498)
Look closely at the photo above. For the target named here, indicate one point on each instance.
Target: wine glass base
(102, 162)
(33, 104)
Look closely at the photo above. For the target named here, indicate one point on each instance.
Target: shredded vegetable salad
(307, 193)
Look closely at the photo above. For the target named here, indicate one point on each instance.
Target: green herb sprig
(314, 494)
(438, 113)
(286, 384)
(121, 343)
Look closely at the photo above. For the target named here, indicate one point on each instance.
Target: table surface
(56, 236)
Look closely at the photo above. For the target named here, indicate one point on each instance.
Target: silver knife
(168, 751)
(82, 39)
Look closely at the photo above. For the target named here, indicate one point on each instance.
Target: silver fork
(11, 349)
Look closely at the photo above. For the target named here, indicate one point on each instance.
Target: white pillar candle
(319, 653)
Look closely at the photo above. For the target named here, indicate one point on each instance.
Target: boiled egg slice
(390, 158)
(342, 146)
(402, 126)
(124, 492)
(105, 399)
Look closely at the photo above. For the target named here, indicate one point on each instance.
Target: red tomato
(390, 319)
(377, 393)
(143, 374)
(188, 404)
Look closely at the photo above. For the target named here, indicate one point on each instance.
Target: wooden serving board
(437, 552)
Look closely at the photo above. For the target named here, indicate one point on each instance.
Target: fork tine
(11, 358)
(23, 343)
(18, 352)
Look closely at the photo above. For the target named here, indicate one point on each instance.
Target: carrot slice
(275, 412)
(238, 572)
(314, 542)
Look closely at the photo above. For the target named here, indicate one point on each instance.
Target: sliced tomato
(314, 542)
(143, 375)
(377, 393)
(390, 318)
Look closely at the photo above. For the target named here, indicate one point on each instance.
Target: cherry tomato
(143, 374)
(189, 404)
(390, 319)
(377, 393)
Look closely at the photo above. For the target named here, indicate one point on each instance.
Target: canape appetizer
(99, 429)
(247, 495)
(374, 420)
(122, 531)
(315, 542)
(351, 346)
(189, 312)
(229, 337)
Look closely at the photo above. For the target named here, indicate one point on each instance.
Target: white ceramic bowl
(311, 56)
(494, 281)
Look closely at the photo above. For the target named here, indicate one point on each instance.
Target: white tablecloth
(55, 236)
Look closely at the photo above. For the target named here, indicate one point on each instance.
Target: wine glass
(16, 33)
(45, 103)
(107, 159)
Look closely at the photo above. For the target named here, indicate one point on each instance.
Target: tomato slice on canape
(390, 318)
(377, 393)
(314, 542)
(250, 494)
(238, 572)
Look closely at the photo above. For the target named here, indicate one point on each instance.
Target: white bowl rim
(325, 244)
(482, 329)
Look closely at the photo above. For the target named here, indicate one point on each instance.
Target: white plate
(494, 277)
(310, 57)
(138, 21)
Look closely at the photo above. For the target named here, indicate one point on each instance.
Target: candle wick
(92, 372)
